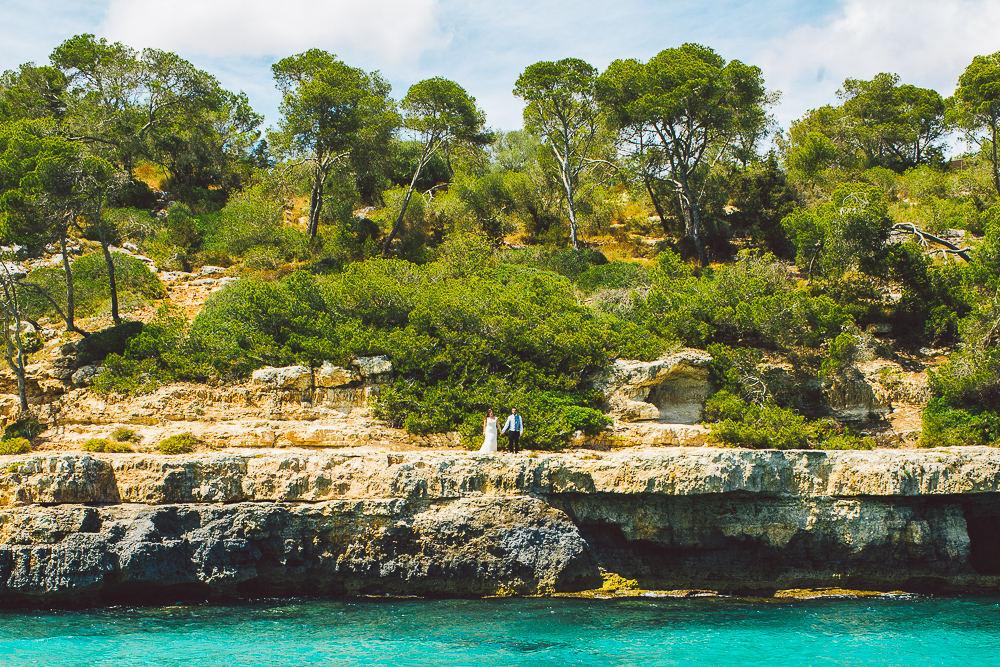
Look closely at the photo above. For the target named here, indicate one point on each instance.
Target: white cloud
(381, 32)
(927, 42)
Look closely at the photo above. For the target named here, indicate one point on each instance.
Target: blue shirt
(513, 423)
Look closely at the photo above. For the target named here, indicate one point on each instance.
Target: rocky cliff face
(82, 529)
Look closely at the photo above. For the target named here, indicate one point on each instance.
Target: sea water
(597, 633)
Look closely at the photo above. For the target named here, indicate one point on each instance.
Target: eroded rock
(670, 389)
(298, 378)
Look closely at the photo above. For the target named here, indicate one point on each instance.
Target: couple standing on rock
(513, 427)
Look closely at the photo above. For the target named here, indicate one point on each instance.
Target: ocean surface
(596, 633)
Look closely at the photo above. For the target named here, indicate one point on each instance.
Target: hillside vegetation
(642, 209)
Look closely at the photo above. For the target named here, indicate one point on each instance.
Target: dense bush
(965, 409)
(10, 446)
(28, 428)
(105, 446)
(112, 340)
(123, 434)
(564, 261)
(150, 356)
(751, 303)
(737, 423)
(614, 275)
(182, 443)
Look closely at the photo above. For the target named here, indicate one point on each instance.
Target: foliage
(965, 408)
(561, 107)
(105, 446)
(112, 340)
(678, 111)
(333, 115)
(154, 356)
(9, 446)
(182, 443)
(849, 233)
(28, 428)
(737, 423)
(564, 261)
(137, 286)
(440, 114)
(977, 101)
(122, 434)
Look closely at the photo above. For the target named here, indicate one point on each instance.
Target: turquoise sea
(596, 633)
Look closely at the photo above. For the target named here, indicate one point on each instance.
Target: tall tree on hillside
(978, 104)
(439, 113)
(561, 108)
(46, 184)
(329, 112)
(893, 125)
(120, 100)
(678, 114)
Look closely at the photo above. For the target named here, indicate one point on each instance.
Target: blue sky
(805, 48)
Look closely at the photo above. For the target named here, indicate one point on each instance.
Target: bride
(490, 433)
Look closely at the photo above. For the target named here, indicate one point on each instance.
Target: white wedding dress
(490, 436)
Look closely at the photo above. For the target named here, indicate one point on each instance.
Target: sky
(805, 48)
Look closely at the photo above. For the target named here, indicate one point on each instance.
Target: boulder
(671, 389)
(62, 368)
(84, 376)
(298, 378)
(329, 375)
(211, 271)
(853, 397)
(373, 366)
(13, 270)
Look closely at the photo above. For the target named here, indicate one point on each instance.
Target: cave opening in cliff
(984, 543)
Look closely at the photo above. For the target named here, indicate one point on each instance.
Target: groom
(513, 427)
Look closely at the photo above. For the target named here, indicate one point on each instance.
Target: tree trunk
(996, 171)
(109, 261)
(571, 207)
(70, 298)
(692, 219)
(14, 349)
(316, 202)
(656, 201)
(695, 233)
(402, 212)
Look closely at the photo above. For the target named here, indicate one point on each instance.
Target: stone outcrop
(671, 389)
(106, 528)
(851, 396)
(76, 554)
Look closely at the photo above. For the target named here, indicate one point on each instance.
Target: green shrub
(564, 261)
(156, 356)
(244, 224)
(112, 340)
(10, 446)
(965, 408)
(616, 275)
(105, 446)
(183, 443)
(123, 434)
(843, 352)
(734, 422)
(27, 428)
(96, 445)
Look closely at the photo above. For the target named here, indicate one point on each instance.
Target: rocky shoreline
(80, 529)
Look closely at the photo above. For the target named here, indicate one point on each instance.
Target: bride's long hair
(489, 413)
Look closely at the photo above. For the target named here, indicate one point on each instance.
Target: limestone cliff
(84, 529)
